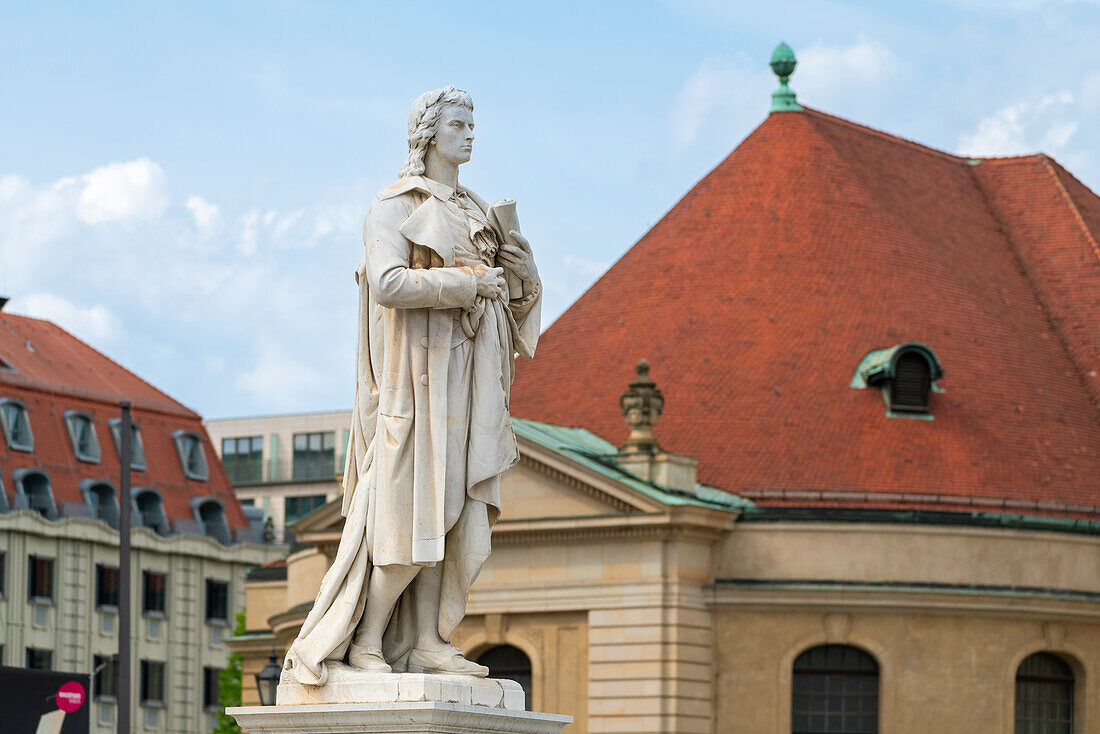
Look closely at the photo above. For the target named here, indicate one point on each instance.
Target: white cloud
(824, 70)
(204, 213)
(277, 381)
(1023, 127)
(122, 191)
(724, 95)
(95, 324)
(169, 296)
(590, 269)
(719, 89)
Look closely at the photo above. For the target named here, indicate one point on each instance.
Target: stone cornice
(141, 538)
(853, 598)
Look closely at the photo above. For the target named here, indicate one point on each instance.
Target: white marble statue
(446, 300)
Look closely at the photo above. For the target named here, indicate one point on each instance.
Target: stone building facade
(288, 465)
(192, 543)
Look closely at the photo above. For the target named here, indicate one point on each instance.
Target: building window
(39, 659)
(906, 374)
(150, 510)
(32, 489)
(835, 689)
(106, 587)
(3, 579)
(191, 454)
(210, 513)
(211, 691)
(296, 508)
(506, 661)
(243, 458)
(154, 593)
(314, 455)
(101, 498)
(40, 579)
(104, 678)
(82, 436)
(137, 448)
(16, 425)
(1044, 695)
(911, 384)
(217, 601)
(152, 683)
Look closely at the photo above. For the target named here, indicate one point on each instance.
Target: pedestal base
(350, 685)
(355, 702)
(421, 717)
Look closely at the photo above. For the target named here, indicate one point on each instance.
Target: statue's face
(454, 137)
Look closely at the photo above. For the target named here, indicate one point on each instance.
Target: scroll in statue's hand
(515, 254)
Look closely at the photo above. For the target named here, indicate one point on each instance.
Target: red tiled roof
(53, 372)
(816, 241)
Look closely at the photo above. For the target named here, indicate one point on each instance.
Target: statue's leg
(428, 583)
(386, 585)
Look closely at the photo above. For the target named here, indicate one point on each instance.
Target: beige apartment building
(287, 465)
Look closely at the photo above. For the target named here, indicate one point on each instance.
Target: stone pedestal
(356, 702)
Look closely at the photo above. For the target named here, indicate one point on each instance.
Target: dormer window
(33, 492)
(210, 514)
(192, 456)
(137, 448)
(82, 436)
(149, 509)
(911, 384)
(906, 375)
(16, 425)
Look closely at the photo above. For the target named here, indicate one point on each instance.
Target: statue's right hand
(490, 281)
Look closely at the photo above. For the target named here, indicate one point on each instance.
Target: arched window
(835, 689)
(32, 491)
(1044, 695)
(101, 498)
(210, 513)
(82, 435)
(137, 448)
(506, 661)
(906, 374)
(192, 456)
(149, 510)
(911, 383)
(16, 425)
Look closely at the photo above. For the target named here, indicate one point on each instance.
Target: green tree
(229, 686)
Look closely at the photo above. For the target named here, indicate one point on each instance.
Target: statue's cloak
(399, 427)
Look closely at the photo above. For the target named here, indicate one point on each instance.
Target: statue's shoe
(448, 660)
(369, 659)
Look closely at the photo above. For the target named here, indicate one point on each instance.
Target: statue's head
(427, 112)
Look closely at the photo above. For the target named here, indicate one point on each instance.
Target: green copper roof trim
(592, 452)
(783, 63)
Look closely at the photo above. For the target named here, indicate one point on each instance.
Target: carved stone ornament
(641, 404)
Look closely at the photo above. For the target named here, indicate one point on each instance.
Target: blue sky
(183, 185)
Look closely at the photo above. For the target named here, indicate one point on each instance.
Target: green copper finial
(783, 63)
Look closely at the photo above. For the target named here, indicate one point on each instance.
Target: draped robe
(430, 415)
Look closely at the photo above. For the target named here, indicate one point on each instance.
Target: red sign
(70, 696)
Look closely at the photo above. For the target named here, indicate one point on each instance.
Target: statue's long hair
(423, 120)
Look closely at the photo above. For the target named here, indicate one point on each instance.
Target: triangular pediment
(544, 485)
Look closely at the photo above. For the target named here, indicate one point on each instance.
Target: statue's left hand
(518, 258)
